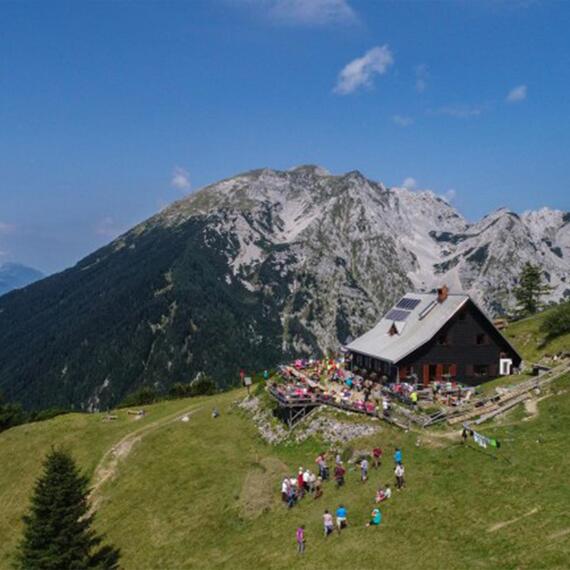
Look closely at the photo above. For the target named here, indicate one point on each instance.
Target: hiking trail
(108, 465)
(500, 525)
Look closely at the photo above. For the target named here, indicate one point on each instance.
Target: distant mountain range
(253, 270)
(15, 276)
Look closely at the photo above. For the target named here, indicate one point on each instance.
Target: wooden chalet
(430, 337)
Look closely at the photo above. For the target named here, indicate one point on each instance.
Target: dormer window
(393, 330)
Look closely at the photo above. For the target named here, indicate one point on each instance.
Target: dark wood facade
(468, 348)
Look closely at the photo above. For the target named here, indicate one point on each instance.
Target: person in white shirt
(285, 486)
(364, 470)
(399, 472)
(328, 523)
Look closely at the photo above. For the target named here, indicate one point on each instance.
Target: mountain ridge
(255, 269)
(16, 275)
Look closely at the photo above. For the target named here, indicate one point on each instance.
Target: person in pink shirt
(301, 539)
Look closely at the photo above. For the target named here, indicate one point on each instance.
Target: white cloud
(409, 183)
(516, 94)
(449, 196)
(459, 111)
(180, 179)
(422, 76)
(402, 120)
(309, 12)
(360, 71)
(109, 228)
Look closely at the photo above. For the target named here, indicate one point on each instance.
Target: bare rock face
(339, 249)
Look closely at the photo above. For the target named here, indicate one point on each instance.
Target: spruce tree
(530, 290)
(58, 533)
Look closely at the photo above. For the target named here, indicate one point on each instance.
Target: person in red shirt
(377, 457)
(300, 483)
(339, 472)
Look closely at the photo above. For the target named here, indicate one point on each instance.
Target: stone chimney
(442, 293)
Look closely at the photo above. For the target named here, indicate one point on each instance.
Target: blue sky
(110, 110)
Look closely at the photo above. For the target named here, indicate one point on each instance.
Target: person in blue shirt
(398, 455)
(341, 518)
(375, 518)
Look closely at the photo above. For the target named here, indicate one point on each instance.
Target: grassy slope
(527, 338)
(187, 495)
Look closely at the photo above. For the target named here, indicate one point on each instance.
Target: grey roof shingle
(420, 326)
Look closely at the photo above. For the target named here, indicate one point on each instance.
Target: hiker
(414, 398)
(464, 436)
(376, 457)
(328, 523)
(318, 488)
(266, 375)
(397, 455)
(291, 497)
(300, 483)
(285, 486)
(307, 481)
(399, 472)
(323, 468)
(385, 406)
(341, 518)
(301, 539)
(339, 472)
(364, 470)
(375, 518)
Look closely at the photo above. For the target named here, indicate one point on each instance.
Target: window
(481, 370)
(481, 338)
(443, 339)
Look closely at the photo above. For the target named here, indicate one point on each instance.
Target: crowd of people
(307, 483)
(328, 382)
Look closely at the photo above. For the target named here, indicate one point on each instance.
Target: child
(301, 539)
(328, 523)
(375, 518)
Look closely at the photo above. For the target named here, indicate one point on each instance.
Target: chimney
(442, 293)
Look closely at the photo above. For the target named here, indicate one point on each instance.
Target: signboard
(247, 381)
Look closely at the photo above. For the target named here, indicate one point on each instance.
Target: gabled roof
(415, 326)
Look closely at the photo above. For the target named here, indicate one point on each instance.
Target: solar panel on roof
(398, 315)
(408, 303)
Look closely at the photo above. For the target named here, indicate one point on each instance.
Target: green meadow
(205, 493)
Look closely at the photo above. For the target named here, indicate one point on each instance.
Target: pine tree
(10, 414)
(58, 533)
(530, 290)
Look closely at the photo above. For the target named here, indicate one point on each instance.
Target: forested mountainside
(252, 270)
